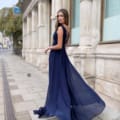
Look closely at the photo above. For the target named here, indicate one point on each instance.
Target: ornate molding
(30, 7)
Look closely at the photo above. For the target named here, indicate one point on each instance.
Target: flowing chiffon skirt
(69, 97)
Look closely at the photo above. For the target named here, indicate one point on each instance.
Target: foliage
(9, 22)
(11, 25)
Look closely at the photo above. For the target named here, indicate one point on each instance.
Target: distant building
(94, 46)
(1, 40)
(5, 41)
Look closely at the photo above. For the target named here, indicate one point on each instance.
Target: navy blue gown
(69, 97)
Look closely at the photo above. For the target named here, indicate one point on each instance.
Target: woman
(68, 96)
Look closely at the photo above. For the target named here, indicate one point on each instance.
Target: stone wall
(98, 63)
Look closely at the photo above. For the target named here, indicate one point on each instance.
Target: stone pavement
(1, 98)
(28, 88)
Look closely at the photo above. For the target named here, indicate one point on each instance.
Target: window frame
(71, 24)
(102, 26)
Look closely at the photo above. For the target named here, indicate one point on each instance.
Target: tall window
(75, 22)
(111, 29)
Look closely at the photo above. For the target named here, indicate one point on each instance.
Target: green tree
(12, 26)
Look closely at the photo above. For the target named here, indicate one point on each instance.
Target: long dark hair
(66, 16)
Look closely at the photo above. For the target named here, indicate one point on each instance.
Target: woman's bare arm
(59, 42)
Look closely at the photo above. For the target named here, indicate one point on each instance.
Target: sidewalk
(28, 88)
(28, 91)
(1, 97)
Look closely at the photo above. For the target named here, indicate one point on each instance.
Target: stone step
(109, 114)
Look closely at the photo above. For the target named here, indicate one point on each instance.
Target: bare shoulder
(60, 30)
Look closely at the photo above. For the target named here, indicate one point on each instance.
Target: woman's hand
(46, 50)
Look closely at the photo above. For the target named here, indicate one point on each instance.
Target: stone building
(1, 38)
(94, 46)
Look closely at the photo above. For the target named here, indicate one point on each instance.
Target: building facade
(94, 46)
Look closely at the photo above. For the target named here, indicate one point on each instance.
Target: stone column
(40, 23)
(28, 29)
(36, 28)
(33, 28)
(43, 23)
(53, 8)
(23, 34)
(66, 4)
(46, 19)
(53, 19)
(95, 22)
(40, 10)
(85, 22)
(24, 39)
(58, 5)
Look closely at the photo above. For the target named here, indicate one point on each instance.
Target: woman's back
(55, 36)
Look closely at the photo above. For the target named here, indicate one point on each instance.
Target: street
(23, 88)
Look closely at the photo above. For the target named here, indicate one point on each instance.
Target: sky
(7, 3)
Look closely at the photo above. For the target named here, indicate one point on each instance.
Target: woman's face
(60, 17)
